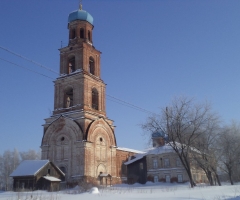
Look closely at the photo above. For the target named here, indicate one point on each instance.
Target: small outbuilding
(37, 175)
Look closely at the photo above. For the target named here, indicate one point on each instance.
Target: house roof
(29, 167)
(155, 150)
(129, 150)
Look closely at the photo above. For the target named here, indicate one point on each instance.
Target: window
(48, 171)
(124, 169)
(167, 177)
(91, 66)
(155, 164)
(178, 162)
(69, 98)
(94, 99)
(71, 65)
(73, 34)
(141, 165)
(180, 178)
(166, 162)
(89, 36)
(63, 169)
(155, 179)
(81, 33)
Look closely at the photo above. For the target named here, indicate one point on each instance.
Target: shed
(37, 175)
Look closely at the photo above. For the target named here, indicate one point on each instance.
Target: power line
(26, 68)
(111, 98)
(129, 104)
(36, 63)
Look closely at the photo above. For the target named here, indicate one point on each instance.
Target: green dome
(80, 15)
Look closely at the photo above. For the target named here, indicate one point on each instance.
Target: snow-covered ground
(136, 191)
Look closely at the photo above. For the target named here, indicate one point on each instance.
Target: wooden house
(37, 175)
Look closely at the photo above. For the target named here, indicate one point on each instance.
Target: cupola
(80, 15)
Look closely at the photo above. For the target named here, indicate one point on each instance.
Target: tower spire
(80, 6)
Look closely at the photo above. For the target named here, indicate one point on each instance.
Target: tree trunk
(230, 177)
(190, 178)
(218, 180)
(209, 176)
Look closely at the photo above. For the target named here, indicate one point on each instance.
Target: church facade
(79, 137)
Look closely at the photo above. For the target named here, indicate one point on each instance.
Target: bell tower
(80, 86)
(78, 137)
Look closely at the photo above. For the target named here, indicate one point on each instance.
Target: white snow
(130, 150)
(51, 178)
(94, 190)
(160, 191)
(29, 167)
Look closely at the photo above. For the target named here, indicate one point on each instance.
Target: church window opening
(62, 139)
(49, 171)
(69, 98)
(95, 99)
(63, 169)
(91, 66)
(73, 34)
(101, 139)
(71, 65)
(89, 36)
(81, 33)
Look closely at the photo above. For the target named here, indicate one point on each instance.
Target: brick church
(79, 137)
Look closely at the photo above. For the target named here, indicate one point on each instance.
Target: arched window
(91, 66)
(69, 98)
(81, 33)
(89, 36)
(73, 34)
(71, 65)
(95, 99)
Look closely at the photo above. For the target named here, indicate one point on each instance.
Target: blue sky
(152, 51)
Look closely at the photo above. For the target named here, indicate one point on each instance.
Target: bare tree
(207, 157)
(184, 121)
(229, 150)
(30, 155)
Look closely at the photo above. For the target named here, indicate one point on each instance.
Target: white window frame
(178, 162)
(180, 178)
(155, 163)
(166, 162)
(169, 180)
(155, 179)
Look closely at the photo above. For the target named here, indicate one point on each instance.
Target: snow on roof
(159, 150)
(137, 157)
(51, 178)
(105, 175)
(155, 150)
(129, 150)
(29, 167)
